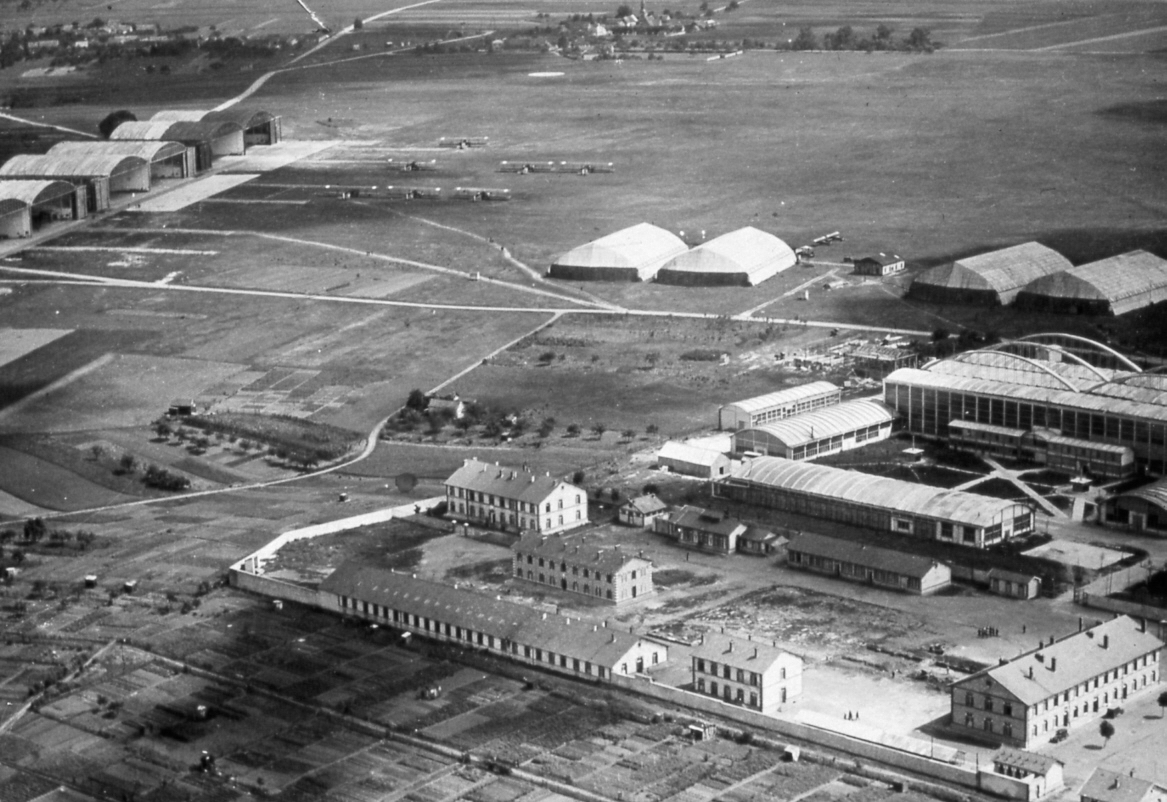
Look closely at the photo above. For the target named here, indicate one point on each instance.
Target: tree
(842, 39)
(162, 429)
(920, 39)
(1106, 730)
(578, 478)
(128, 463)
(573, 430)
(96, 451)
(628, 434)
(882, 34)
(806, 39)
(598, 429)
(358, 23)
(113, 120)
(1162, 703)
(651, 429)
(35, 529)
(623, 10)
(939, 333)
(417, 400)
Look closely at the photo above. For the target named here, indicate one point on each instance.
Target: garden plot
(1070, 552)
(283, 391)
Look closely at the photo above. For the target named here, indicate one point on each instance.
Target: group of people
(988, 632)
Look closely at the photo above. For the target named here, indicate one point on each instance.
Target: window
(741, 696)
(726, 672)
(700, 686)
(548, 507)
(1008, 709)
(741, 675)
(577, 498)
(988, 704)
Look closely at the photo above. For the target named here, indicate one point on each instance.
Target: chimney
(731, 646)
(1105, 641)
(613, 639)
(1079, 623)
(702, 640)
(1142, 625)
(1031, 672)
(755, 652)
(1053, 664)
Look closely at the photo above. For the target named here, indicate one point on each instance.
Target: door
(639, 665)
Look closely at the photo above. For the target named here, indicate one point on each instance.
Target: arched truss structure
(1050, 347)
(1058, 338)
(961, 357)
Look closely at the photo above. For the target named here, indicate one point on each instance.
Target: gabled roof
(562, 635)
(1028, 761)
(1004, 272)
(686, 453)
(894, 495)
(1071, 661)
(884, 259)
(849, 551)
(1112, 786)
(646, 504)
(781, 398)
(809, 427)
(754, 655)
(577, 551)
(1127, 281)
(758, 534)
(706, 521)
(514, 483)
(1012, 576)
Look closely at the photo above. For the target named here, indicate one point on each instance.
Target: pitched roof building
(577, 566)
(705, 530)
(744, 257)
(1104, 785)
(519, 632)
(514, 499)
(755, 674)
(635, 253)
(1116, 285)
(1060, 685)
(641, 511)
(692, 461)
(859, 562)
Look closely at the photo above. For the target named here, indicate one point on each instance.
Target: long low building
(166, 159)
(777, 405)
(1060, 685)
(815, 434)
(876, 502)
(516, 631)
(859, 562)
(690, 460)
(1044, 447)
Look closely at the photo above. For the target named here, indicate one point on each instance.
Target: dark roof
(883, 259)
(1029, 761)
(1078, 658)
(758, 533)
(706, 521)
(647, 504)
(1012, 576)
(575, 550)
(187, 131)
(244, 117)
(481, 613)
(862, 554)
(515, 483)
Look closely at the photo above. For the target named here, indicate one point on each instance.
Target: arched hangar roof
(636, 247)
(881, 492)
(782, 397)
(1154, 493)
(1003, 272)
(749, 252)
(832, 421)
(245, 117)
(16, 194)
(140, 129)
(180, 131)
(1128, 281)
(176, 115)
(149, 150)
(74, 165)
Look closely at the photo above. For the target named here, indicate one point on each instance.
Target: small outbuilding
(692, 461)
(631, 254)
(1013, 584)
(1142, 509)
(703, 530)
(745, 257)
(642, 510)
(1021, 775)
(880, 264)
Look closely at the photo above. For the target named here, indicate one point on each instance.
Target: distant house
(576, 566)
(1110, 786)
(1014, 585)
(704, 530)
(514, 499)
(456, 405)
(692, 461)
(181, 407)
(882, 264)
(859, 562)
(754, 674)
(642, 510)
(1021, 775)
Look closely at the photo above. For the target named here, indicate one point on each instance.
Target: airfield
(267, 291)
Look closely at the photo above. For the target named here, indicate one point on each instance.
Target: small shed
(757, 540)
(1014, 585)
(881, 264)
(692, 461)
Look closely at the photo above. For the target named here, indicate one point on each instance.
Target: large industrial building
(26, 206)
(1142, 509)
(1047, 385)
(989, 279)
(209, 138)
(828, 430)
(631, 254)
(166, 159)
(100, 173)
(876, 502)
(1062, 684)
(514, 499)
(777, 405)
(740, 258)
(1111, 286)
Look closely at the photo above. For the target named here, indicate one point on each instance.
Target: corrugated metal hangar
(1113, 286)
(989, 279)
(631, 254)
(745, 257)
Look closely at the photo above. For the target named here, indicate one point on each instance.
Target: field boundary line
(554, 317)
(1112, 37)
(64, 381)
(1028, 28)
(804, 285)
(64, 128)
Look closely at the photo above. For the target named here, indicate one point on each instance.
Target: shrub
(702, 355)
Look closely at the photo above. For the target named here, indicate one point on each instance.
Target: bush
(702, 355)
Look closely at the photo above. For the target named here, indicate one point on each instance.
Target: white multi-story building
(514, 499)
